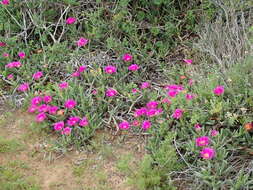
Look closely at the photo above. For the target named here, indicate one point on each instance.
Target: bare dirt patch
(86, 170)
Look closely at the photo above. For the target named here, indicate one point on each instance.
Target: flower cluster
(65, 128)
(41, 105)
(44, 109)
(173, 90)
(204, 141)
(146, 114)
(143, 115)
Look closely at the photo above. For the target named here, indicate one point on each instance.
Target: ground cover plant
(111, 66)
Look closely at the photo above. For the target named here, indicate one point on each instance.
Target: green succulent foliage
(148, 29)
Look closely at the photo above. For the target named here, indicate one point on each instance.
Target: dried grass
(226, 40)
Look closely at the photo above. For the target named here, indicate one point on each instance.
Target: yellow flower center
(202, 142)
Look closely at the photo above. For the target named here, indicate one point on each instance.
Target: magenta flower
(70, 104)
(207, 153)
(66, 131)
(197, 127)
(73, 121)
(189, 96)
(84, 122)
(41, 117)
(5, 2)
(202, 141)
(151, 112)
(124, 125)
(110, 69)
(174, 87)
(152, 104)
(139, 112)
(36, 100)
(47, 99)
(111, 92)
(59, 125)
(43, 108)
(177, 113)
(38, 75)
(135, 123)
(10, 76)
(127, 57)
(63, 85)
(191, 81)
(166, 100)
(219, 90)
(214, 133)
(188, 61)
(82, 42)
(32, 109)
(6, 55)
(94, 92)
(23, 87)
(146, 124)
(2, 44)
(172, 93)
(70, 20)
(159, 111)
(52, 110)
(133, 67)
(21, 55)
(82, 68)
(17, 64)
(14, 64)
(75, 74)
(134, 90)
(145, 85)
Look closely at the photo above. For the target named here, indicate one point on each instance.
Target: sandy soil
(54, 171)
